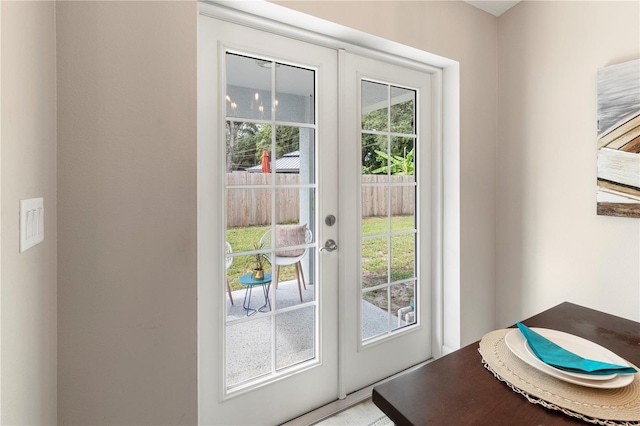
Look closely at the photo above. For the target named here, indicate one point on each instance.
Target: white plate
(516, 343)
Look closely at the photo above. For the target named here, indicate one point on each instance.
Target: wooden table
(457, 390)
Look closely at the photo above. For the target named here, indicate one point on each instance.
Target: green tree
(398, 164)
(287, 140)
(241, 145)
(401, 120)
(246, 141)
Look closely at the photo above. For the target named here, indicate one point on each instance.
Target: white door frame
(0, 215)
(290, 23)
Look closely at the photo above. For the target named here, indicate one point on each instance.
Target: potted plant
(258, 261)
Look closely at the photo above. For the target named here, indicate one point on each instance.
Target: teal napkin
(562, 359)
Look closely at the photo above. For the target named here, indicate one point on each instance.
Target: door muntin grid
(270, 115)
(389, 231)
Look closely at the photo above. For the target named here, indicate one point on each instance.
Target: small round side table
(247, 281)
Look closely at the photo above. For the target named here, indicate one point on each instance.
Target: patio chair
(286, 236)
(229, 262)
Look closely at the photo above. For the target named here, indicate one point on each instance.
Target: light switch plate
(31, 223)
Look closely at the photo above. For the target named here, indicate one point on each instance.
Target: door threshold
(339, 405)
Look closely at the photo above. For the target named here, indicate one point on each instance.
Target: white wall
(28, 311)
(551, 245)
(127, 212)
(466, 34)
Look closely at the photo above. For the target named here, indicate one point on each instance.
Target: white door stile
(343, 135)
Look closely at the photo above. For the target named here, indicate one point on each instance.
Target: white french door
(298, 145)
(386, 212)
(268, 350)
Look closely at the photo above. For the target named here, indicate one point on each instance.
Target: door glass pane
(388, 208)
(246, 143)
(248, 350)
(375, 106)
(402, 157)
(248, 214)
(403, 304)
(402, 257)
(270, 220)
(295, 339)
(287, 200)
(403, 201)
(244, 300)
(295, 154)
(375, 220)
(295, 94)
(375, 313)
(375, 259)
(403, 110)
(374, 157)
(248, 87)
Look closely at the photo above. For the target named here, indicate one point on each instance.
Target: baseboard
(446, 350)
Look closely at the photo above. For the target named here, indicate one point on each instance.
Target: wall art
(618, 187)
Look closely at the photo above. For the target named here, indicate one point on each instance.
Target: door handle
(329, 245)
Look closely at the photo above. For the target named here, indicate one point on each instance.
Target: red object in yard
(265, 162)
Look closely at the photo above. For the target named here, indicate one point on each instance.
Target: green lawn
(374, 252)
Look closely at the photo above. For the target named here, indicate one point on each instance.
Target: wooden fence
(374, 195)
(252, 206)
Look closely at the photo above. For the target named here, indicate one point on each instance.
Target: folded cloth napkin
(562, 359)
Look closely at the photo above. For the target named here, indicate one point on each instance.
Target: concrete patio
(248, 347)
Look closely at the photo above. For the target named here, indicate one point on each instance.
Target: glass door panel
(406, 312)
(375, 259)
(403, 108)
(246, 142)
(250, 361)
(401, 159)
(388, 206)
(375, 106)
(270, 205)
(403, 199)
(248, 88)
(374, 309)
(295, 337)
(402, 258)
(295, 94)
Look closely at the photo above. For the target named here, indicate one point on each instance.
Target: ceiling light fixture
(266, 64)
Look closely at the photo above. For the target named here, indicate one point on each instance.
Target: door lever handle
(329, 245)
